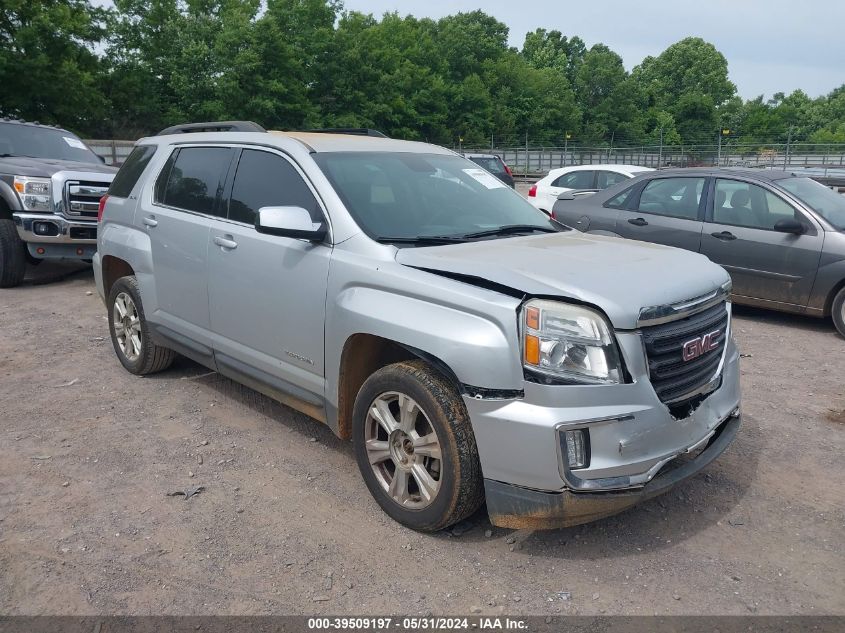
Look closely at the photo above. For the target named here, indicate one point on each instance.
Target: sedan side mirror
(790, 225)
(290, 222)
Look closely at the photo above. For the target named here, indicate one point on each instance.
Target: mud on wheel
(130, 334)
(415, 447)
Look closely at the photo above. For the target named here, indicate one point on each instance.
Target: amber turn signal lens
(532, 350)
(532, 318)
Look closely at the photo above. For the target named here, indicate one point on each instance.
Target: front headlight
(35, 193)
(569, 342)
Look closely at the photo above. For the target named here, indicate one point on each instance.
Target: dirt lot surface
(285, 525)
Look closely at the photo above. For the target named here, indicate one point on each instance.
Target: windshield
(405, 195)
(42, 142)
(827, 203)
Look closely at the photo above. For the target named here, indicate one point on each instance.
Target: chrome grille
(674, 379)
(82, 197)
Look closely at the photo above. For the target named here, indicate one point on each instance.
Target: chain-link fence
(114, 152)
(536, 161)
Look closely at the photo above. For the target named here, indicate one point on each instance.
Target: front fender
(472, 330)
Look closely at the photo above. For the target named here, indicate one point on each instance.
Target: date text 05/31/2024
(416, 624)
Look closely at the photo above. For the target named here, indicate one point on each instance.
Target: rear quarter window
(129, 173)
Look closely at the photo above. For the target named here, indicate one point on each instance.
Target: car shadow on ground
(785, 319)
(48, 272)
(707, 499)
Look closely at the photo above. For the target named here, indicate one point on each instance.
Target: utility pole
(719, 151)
(526, 154)
(610, 149)
(566, 138)
(660, 155)
(788, 143)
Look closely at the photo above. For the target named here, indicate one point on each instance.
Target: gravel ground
(285, 525)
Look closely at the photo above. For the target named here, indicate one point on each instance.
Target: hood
(46, 167)
(618, 276)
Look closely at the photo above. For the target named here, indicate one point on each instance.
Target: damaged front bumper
(510, 506)
(638, 446)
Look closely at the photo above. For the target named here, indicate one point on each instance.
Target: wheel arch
(363, 355)
(113, 269)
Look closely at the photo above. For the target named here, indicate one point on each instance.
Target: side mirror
(566, 195)
(293, 222)
(790, 225)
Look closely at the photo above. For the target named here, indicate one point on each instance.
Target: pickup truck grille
(82, 197)
(684, 355)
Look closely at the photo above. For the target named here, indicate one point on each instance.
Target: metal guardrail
(113, 151)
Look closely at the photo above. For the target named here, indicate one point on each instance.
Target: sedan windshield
(827, 203)
(430, 197)
(42, 142)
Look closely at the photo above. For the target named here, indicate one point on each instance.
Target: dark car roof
(758, 174)
(13, 121)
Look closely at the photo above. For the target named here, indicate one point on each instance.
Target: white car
(544, 193)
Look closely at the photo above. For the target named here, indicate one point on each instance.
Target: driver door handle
(638, 222)
(150, 221)
(725, 236)
(226, 243)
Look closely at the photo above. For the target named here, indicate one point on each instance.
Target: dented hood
(617, 275)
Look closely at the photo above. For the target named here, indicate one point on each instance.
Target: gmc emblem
(701, 345)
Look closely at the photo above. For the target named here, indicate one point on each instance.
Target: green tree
(48, 69)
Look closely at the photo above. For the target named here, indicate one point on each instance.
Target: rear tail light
(552, 215)
(532, 192)
(101, 207)
(508, 170)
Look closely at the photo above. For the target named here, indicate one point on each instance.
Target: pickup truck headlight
(569, 342)
(35, 193)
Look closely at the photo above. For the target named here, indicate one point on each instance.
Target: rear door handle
(725, 236)
(226, 243)
(638, 222)
(150, 221)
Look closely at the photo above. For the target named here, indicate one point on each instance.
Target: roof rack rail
(213, 126)
(357, 131)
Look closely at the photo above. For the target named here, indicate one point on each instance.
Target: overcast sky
(771, 45)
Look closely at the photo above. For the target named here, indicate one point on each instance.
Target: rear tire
(130, 334)
(415, 447)
(838, 312)
(12, 255)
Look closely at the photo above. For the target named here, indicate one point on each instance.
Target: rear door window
(490, 163)
(576, 180)
(268, 180)
(672, 197)
(125, 179)
(605, 179)
(193, 179)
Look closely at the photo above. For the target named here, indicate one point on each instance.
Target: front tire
(838, 311)
(415, 447)
(12, 255)
(130, 334)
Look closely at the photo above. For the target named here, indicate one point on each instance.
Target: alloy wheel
(127, 326)
(403, 450)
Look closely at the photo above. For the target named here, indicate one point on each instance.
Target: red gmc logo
(701, 345)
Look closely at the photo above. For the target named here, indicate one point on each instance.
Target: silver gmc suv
(470, 347)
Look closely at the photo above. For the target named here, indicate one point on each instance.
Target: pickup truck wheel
(838, 311)
(415, 447)
(12, 255)
(130, 334)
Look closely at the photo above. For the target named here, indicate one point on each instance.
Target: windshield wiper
(510, 229)
(422, 239)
